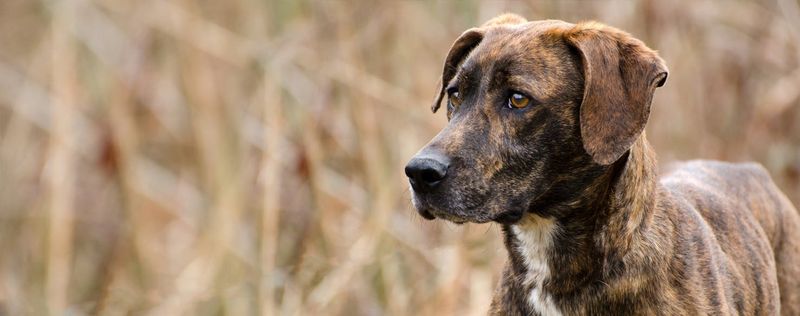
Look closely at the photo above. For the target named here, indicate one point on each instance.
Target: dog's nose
(425, 172)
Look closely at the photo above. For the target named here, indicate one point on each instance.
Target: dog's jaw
(534, 237)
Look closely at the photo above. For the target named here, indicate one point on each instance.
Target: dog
(545, 136)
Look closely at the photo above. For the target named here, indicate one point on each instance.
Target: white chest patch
(535, 236)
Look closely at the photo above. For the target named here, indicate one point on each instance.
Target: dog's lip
(458, 218)
(513, 215)
(431, 212)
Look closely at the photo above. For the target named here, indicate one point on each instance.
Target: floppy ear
(620, 75)
(460, 49)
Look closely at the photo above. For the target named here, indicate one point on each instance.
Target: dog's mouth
(505, 218)
(450, 217)
(458, 214)
(472, 207)
(476, 206)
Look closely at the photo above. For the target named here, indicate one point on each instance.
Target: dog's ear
(620, 75)
(460, 49)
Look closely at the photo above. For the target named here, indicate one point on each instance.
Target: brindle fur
(709, 238)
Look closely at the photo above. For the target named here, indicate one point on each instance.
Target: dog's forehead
(511, 49)
(526, 36)
(515, 42)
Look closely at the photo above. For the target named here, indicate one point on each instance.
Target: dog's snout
(425, 172)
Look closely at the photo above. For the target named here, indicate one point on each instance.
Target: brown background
(240, 157)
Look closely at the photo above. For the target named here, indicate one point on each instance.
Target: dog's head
(532, 107)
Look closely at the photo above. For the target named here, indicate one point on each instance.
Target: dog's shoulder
(714, 167)
(725, 193)
(722, 185)
(717, 177)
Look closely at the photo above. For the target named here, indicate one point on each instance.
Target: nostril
(431, 175)
(410, 170)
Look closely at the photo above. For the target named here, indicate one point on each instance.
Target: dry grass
(243, 157)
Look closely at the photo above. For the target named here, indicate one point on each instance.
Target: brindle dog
(545, 137)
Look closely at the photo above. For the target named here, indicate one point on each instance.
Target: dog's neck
(631, 199)
(552, 256)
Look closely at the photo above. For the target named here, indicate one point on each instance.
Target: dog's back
(743, 198)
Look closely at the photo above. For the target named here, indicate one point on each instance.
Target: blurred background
(245, 157)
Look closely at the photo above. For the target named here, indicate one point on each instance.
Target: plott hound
(545, 137)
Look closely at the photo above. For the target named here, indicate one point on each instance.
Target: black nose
(425, 172)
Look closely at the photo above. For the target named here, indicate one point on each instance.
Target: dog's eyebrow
(509, 74)
(462, 75)
(521, 82)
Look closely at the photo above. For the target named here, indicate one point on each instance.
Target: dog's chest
(534, 237)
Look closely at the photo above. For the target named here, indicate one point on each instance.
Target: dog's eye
(454, 97)
(518, 101)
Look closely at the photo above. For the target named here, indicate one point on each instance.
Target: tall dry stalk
(62, 166)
